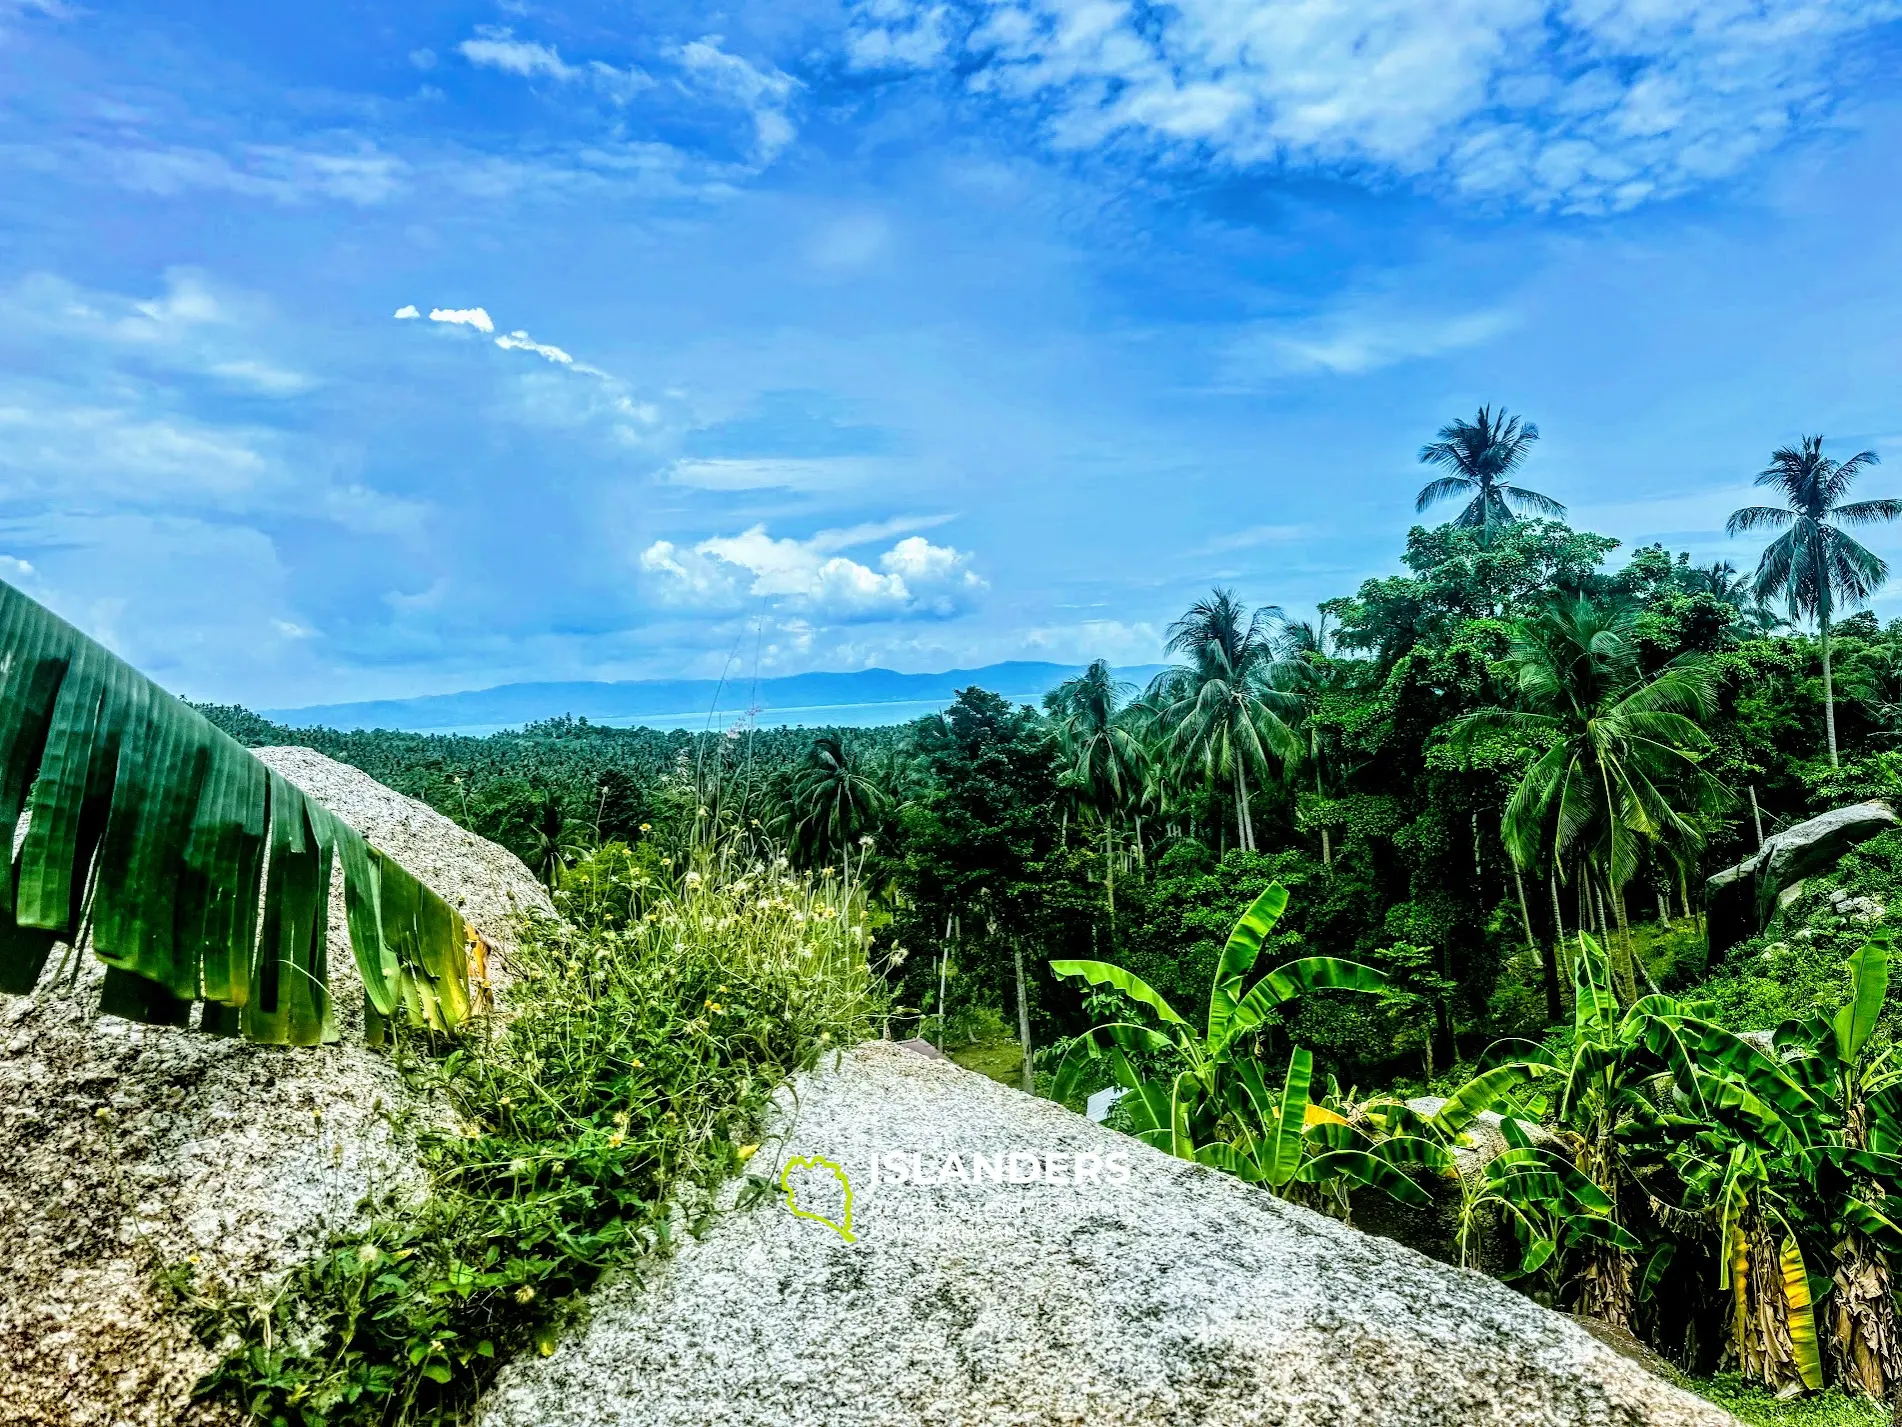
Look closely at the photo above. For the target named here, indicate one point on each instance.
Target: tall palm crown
(1103, 749)
(1222, 712)
(1478, 455)
(1814, 566)
(1621, 762)
(834, 797)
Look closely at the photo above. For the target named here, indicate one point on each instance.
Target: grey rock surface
(1182, 1297)
(125, 1149)
(1738, 900)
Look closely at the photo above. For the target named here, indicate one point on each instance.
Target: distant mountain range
(860, 699)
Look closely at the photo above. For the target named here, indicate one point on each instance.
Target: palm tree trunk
(1633, 961)
(1023, 1019)
(1558, 939)
(1244, 833)
(1551, 959)
(1829, 692)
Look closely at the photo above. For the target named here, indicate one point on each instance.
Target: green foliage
(192, 870)
(595, 1123)
(1762, 1408)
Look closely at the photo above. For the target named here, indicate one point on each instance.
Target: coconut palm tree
(1303, 670)
(1620, 765)
(1222, 713)
(1102, 751)
(1478, 455)
(1813, 566)
(835, 797)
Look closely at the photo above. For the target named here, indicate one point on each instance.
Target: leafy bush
(621, 1088)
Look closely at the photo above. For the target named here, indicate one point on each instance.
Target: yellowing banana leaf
(1796, 1298)
(195, 873)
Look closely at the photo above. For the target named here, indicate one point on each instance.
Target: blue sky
(875, 332)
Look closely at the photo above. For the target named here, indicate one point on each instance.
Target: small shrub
(626, 1083)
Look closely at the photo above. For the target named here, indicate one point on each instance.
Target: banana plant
(1754, 1198)
(192, 870)
(1553, 1209)
(1857, 1174)
(1628, 1078)
(1202, 1095)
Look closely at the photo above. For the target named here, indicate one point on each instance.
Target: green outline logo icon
(843, 1230)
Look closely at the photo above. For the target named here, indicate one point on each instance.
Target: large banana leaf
(1869, 977)
(1481, 1093)
(196, 873)
(1283, 1146)
(1238, 957)
(1359, 1167)
(1101, 973)
(1290, 981)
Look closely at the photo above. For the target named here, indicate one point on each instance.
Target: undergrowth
(1752, 1404)
(593, 1120)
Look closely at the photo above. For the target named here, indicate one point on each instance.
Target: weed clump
(625, 1082)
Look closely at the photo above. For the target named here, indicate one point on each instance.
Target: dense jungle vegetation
(1489, 789)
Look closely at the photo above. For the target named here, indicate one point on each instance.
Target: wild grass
(593, 1120)
(1833, 1408)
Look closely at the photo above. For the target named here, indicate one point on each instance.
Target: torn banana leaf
(193, 871)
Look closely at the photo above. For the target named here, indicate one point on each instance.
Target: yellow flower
(615, 1141)
(746, 1152)
(525, 1294)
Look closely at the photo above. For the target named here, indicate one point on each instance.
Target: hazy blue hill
(861, 698)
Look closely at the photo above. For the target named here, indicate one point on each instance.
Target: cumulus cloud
(406, 311)
(1583, 104)
(474, 317)
(914, 578)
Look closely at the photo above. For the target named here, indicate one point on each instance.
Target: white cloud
(1358, 338)
(814, 473)
(495, 47)
(1579, 104)
(261, 377)
(521, 342)
(914, 577)
(406, 312)
(190, 327)
(474, 317)
(893, 34)
(274, 171)
(763, 93)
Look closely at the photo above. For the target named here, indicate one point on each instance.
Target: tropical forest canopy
(1529, 727)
